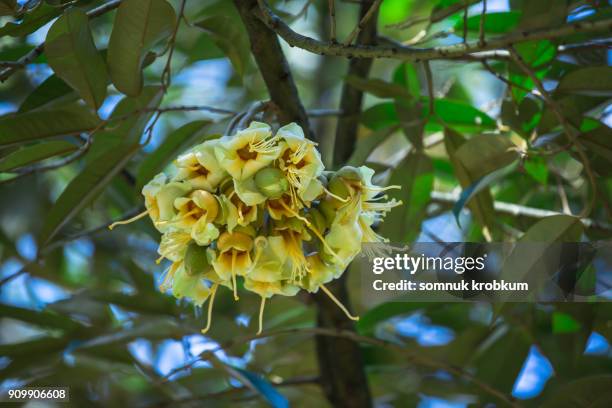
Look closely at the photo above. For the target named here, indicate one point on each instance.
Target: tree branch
(273, 66)
(40, 48)
(419, 54)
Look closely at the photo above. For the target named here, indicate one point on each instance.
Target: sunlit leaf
(495, 23)
(35, 153)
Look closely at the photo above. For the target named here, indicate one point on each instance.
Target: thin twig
(371, 12)
(167, 72)
(465, 24)
(411, 53)
(332, 20)
(481, 30)
(430, 88)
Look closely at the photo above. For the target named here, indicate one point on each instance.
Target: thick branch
(350, 102)
(419, 54)
(273, 66)
(40, 48)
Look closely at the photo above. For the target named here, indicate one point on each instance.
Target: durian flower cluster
(258, 208)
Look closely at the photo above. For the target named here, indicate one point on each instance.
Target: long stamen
(210, 307)
(314, 231)
(337, 302)
(169, 275)
(344, 200)
(261, 312)
(234, 254)
(129, 220)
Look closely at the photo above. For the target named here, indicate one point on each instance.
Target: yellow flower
(159, 200)
(280, 207)
(270, 260)
(173, 245)
(198, 205)
(319, 273)
(249, 151)
(235, 211)
(189, 286)
(344, 237)
(293, 233)
(234, 257)
(301, 162)
(200, 167)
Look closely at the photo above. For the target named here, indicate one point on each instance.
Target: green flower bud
(328, 210)
(271, 182)
(196, 260)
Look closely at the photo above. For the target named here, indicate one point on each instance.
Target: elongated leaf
(84, 188)
(599, 141)
(484, 154)
(8, 7)
(589, 392)
(481, 205)
(168, 150)
(366, 145)
(415, 176)
(407, 76)
(595, 81)
(411, 120)
(33, 154)
(139, 24)
(33, 20)
(73, 56)
(52, 90)
(25, 127)
(230, 38)
(44, 318)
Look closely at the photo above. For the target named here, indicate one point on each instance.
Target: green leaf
(495, 23)
(587, 392)
(536, 167)
(411, 120)
(39, 124)
(564, 323)
(415, 176)
(458, 115)
(557, 228)
(406, 75)
(33, 154)
(599, 141)
(8, 7)
(32, 21)
(591, 81)
(367, 322)
(139, 24)
(481, 205)
(52, 90)
(541, 14)
(496, 366)
(484, 154)
(84, 188)
(230, 38)
(537, 55)
(168, 150)
(367, 144)
(73, 56)
(378, 87)
(44, 318)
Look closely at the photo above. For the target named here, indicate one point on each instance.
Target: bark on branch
(273, 66)
(420, 54)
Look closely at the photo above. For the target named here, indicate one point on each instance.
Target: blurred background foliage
(487, 139)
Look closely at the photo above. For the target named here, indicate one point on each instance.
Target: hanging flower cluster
(260, 208)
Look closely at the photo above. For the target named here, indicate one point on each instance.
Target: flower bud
(271, 182)
(196, 260)
(317, 219)
(328, 210)
(338, 187)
